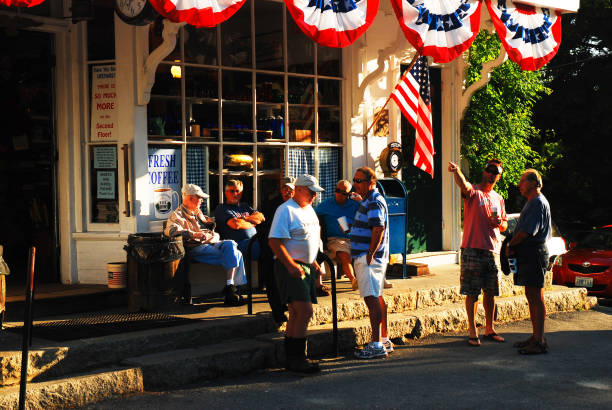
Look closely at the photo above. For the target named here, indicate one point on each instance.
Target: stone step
(166, 370)
(76, 390)
(180, 367)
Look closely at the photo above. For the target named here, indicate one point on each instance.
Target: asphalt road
(437, 372)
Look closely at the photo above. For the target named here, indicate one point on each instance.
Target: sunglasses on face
(234, 191)
(359, 181)
(341, 192)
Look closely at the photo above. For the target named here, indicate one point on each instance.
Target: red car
(588, 264)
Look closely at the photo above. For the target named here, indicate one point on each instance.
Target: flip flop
(494, 337)
(474, 342)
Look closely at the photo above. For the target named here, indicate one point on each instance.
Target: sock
(385, 339)
(377, 345)
(230, 282)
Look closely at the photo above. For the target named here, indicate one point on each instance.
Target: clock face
(131, 8)
(136, 12)
(394, 161)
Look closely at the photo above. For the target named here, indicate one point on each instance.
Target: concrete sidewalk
(224, 341)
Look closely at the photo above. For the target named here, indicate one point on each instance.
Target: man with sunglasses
(370, 253)
(338, 243)
(484, 216)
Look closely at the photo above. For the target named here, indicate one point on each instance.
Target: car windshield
(601, 239)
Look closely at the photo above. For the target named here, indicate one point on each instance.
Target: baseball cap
(193, 189)
(289, 181)
(309, 182)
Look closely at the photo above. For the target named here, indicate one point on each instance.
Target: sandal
(322, 290)
(474, 342)
(494, 337)
(534, 348)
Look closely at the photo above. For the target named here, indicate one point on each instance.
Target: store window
(253, 99)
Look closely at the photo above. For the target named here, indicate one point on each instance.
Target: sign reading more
(103, 103)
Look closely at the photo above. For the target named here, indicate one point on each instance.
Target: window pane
(269, 36)
(301, 161)
(329, 92)
(329, 125)
(237, 122)
(269, 162)
(200, 45)
(164, 117)
(330, 170)
(301, 124)
(201, 82)
(203, 119)
(236, 39)
(101, 32)
(329, 61)
(300, 49)
(270, 88)
(301, 90)
(270, 122)
(238, 164)
(166, 83)
(237, 85)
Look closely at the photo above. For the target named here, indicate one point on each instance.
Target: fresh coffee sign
(164, 180)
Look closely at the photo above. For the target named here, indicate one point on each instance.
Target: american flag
(414, 99)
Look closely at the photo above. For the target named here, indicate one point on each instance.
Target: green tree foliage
(498, 122)
(576, 116)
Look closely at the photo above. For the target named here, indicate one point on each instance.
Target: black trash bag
(154, 248)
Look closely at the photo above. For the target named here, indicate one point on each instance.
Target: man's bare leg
(375, 312)
(471, 307)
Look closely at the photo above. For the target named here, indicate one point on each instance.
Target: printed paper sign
(165, 181)
(106, 185)
(105, 157)
(103, 103)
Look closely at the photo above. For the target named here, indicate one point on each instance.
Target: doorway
(28, 154)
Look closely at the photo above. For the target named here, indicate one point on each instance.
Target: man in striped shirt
(370, 253)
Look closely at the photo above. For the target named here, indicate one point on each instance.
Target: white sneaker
(370, 351)
(388, 344)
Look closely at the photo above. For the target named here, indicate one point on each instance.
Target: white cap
(193, 189)
(288, 181)
(309, 182)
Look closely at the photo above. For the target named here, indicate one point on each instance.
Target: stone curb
(75, 391)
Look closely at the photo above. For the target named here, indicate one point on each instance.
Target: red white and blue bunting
(20, 3)
(333, 23)
(198, 13)
(442, 29)
(531, 35)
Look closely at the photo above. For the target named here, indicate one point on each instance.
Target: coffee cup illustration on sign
(164, 202)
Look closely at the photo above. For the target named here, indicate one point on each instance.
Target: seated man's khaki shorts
(336, 244)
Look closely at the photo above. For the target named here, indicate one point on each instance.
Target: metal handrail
(321, 258)
(249, 273)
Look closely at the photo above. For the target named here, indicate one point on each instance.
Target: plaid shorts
(479, 271)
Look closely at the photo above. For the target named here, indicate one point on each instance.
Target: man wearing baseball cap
(294, 237)
(203, 243)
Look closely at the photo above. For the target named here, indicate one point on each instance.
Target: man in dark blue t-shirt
(528, 246)
(237, 220)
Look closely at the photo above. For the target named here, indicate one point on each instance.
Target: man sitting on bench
(203, 243)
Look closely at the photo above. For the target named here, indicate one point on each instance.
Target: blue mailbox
(396, 195)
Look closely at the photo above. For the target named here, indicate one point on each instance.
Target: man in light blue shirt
(338, 243)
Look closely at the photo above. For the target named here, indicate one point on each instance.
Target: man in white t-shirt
(295, 237)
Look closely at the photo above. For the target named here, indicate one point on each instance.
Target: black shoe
(303, 365)
(232, 298)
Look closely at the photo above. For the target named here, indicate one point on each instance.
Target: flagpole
(412, 63)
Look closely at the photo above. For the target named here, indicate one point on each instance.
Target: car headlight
(559, 260)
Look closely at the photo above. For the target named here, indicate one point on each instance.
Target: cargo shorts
(479, 271)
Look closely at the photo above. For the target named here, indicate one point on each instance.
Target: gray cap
(289, 181)
(193, 189)
(309, 182)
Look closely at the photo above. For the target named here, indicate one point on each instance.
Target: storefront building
(108, 134)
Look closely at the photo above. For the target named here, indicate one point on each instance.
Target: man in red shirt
(484, 216)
